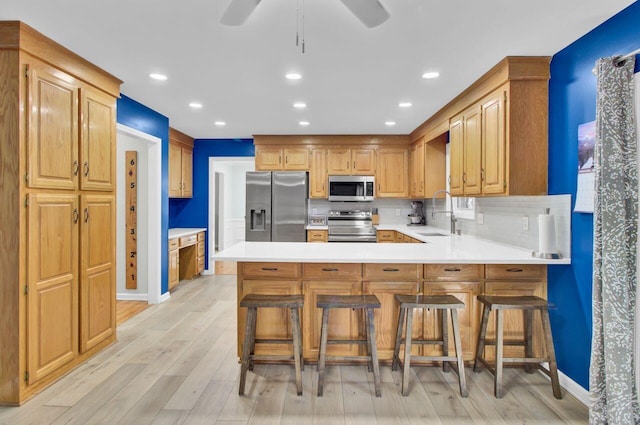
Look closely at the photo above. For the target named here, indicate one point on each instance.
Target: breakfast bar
(459, 265)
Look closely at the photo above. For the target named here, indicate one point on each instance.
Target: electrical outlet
(398, 211)
(525, 223)
(480, 218)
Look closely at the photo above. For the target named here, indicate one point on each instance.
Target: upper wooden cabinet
(277, 158)
(498, 129)
(318, 176)
(356, 161)
(416, 169)
(392, 177)
(57, 250)
(180, 165)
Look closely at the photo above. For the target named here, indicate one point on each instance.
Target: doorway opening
(226, 205)
(148, 240)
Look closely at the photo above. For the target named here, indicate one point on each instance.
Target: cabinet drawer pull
(328, 269)
(390, 270)
(76, 168)
(86, 168)
(451, 269)
(86, 215)
(270, 269)
(514, 270)
(76, 216)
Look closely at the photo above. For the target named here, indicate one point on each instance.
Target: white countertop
(178, 232)
(317, 227)
(437, 249)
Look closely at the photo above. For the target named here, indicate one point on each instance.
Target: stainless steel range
(350, 226)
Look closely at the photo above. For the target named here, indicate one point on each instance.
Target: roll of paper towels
(547, 234)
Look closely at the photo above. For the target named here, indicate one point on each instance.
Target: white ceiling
(353, 77)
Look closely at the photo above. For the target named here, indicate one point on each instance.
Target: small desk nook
(186, 254)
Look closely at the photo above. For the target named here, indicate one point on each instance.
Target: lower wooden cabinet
(386, 317)
(174, 263)
(464, 281)
(468, 317)
(317, 236)
(97, 260)
(52, 315)
(271, 322)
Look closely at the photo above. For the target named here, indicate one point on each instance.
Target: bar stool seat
(364, 302)
(442, 303)
(254, 301)
(528, 304)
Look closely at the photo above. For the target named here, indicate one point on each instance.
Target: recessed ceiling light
(404, 104)
(389, 123)
(195, 105)
(159, 77)
(293, 76)
(299, 105)
(304, 123)
(220, 123)
(430, 75)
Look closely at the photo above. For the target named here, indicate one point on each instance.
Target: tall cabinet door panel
(494, 144)
(97, 252)
(52, 279)
(456, 138)
(393, 173)
(187, 172)
(472, 152)
(175, 171)
(53, 131)
(318, 179)
(97, 149)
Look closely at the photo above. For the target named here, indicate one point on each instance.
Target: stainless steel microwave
(351, 188)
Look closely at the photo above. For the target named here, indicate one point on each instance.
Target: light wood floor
(175, 363)
(125, 310)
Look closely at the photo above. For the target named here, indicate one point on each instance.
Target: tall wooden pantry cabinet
(57, 209)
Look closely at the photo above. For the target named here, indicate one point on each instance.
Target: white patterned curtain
(612, 382)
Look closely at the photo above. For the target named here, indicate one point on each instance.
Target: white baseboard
(164, 297)
(132, 297)
(574, 389)
(571, 386)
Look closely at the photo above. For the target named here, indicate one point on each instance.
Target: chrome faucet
(450, 212)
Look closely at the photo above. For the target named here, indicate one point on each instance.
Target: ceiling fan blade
(238, 11)
(371, 12)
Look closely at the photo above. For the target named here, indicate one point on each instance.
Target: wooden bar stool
(252, 302)
(528, 304)
(443, 303)
(364, 302)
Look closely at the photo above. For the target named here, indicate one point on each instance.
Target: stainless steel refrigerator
(276, 206)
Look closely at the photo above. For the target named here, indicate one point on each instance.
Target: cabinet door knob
(86, 168)
(86, 215)
(76, 167)
(76, 215)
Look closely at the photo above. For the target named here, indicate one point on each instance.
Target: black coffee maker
(416, 218)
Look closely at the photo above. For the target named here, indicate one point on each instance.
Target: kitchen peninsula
(460, 265)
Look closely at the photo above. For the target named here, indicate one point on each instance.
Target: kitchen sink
(432, 234)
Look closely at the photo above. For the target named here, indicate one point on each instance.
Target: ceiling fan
(370, 12)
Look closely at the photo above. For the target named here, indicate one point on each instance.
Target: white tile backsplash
(503, 220)
(502, 217)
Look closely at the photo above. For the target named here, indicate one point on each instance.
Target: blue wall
(135, 115)
(194, 212)
(572, 101)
